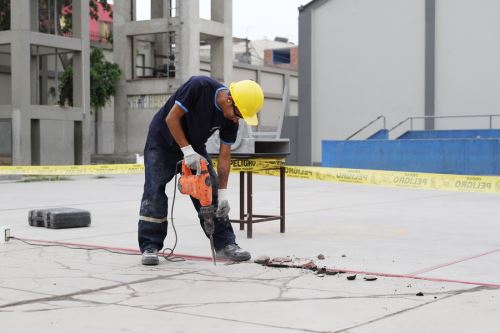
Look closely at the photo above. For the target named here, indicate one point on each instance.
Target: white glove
(191, 158)
(223, 206)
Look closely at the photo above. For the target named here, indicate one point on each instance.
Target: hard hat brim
(252, 121)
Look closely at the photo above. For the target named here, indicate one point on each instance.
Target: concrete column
(20, 15)
(304, 121)
(20, 81)
(21, 138)
(189, 39)
(122, 56)
(221, 49)
(81, 70)
(430, 62)
(21, 77)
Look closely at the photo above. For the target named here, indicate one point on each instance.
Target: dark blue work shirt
(198, 98)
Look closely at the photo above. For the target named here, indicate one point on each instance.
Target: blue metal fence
(439, 155)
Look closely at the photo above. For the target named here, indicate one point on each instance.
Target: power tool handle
(185, 170)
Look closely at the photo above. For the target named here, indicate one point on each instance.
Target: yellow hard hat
(248, 98)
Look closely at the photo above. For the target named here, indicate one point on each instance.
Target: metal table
(248, 217)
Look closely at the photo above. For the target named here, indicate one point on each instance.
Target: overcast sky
(255, 19)
(258, 19)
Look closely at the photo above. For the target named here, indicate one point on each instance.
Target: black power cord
(169, 256)
(74, 247)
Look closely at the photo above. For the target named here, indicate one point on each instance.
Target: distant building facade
(362, 59)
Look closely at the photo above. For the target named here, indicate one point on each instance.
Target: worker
(179, 131)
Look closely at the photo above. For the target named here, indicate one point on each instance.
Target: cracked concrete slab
(404, 232)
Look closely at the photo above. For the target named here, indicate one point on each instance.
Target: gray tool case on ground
(59, 218)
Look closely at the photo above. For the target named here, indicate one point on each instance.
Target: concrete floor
(449, 241)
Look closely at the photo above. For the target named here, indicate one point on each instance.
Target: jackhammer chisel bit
(207, 214)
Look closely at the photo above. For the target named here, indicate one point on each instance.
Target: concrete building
(362, 59)
(156, 55)
(253, 52)
(33, 53)
(282, 57)
(160, 53)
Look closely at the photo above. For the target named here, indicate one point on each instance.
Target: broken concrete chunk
(310, 265)
(282, 259)
(351, 277)
(287, 262)
(321, 256)
(370, 278)
(263, 260)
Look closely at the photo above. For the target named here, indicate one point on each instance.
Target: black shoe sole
(150, 262)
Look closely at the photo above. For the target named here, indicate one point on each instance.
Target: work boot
(233, 252)
(150, 257)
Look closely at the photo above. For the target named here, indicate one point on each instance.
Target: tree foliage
(103, 78)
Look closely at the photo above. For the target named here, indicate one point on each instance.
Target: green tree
(103, 78)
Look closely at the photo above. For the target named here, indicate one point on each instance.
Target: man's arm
(223, 169)
(173, 121)
(224, 165)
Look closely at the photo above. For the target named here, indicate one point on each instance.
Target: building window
(140, 65)
(147, 101)
(55, 17)
(4, 15)
(281, 56)
(154, 56)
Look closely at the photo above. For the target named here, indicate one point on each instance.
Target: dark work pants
(160, 163)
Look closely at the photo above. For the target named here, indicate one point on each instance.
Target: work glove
(223, 206)
(192, 158)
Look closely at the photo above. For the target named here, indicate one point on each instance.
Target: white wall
(367, 60)
(467, 61)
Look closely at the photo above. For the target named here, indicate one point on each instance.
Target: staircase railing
(410, 119)
(364, 127)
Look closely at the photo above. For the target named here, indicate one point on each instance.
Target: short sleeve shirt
(198, 98)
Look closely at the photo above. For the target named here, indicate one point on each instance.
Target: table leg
(242, 200)
(249, 204)
(282, 199)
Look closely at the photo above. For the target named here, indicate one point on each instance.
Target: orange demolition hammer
(199, 186)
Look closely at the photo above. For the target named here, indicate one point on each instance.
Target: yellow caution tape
(72, 170)
(253, 164)
(447, 182)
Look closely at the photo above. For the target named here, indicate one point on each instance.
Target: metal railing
(364, 127)
(410, 119)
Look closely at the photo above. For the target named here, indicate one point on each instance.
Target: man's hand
(192, 158)
(223, 206)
